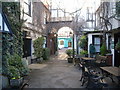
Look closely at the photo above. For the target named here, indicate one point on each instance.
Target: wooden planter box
(109, 60)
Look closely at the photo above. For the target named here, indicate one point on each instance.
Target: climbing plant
(12, 43)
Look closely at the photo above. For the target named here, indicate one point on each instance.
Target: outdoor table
(112, 71)
(88, 61)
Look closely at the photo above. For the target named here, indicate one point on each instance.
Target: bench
(101, 60)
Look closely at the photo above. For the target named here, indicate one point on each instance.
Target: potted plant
(84, 53)
(38, 48)
(46, 54)
(16, 61)
(103, 49)
(14, 76)
(69, 52)
(117, 46)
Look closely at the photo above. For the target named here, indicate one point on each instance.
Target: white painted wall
(90, 40)
(1, 22)
(112, 51)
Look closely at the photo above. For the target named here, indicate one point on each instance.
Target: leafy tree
(83, 42)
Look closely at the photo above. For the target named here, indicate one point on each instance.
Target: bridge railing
(55, 19)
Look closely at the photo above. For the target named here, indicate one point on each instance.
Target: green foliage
(117, 47)
(12, 45)
(38, 46)
(69, 52)
(12, 11)
(83, 52)
(83, 42)
(46, 54)
(103, 49)
(13, 72)
(16, 61)
(118, 8)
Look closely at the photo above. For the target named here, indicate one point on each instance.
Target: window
(27, 7)
(61, 42)
(97, 43)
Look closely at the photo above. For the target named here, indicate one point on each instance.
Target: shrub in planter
(16, 61)
(38, 47)
(103, 49)
(14, 76)
(69, 52)
(46, 54)
(84, 52)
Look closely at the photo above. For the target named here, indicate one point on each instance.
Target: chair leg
(84, 81)
(81, 78)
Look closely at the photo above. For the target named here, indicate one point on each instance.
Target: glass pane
(97, 48)
(5, 27)
(97, 40)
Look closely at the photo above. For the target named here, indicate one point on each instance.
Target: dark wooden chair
(91, 78)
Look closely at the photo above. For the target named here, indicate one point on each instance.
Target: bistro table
(88, 61)
(112, 71)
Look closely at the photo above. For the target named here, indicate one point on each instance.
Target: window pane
(97, 40)
(97, 48)
(62, 42)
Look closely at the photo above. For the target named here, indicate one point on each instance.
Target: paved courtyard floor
(55, 73)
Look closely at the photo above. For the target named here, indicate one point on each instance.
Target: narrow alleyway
(55, 73)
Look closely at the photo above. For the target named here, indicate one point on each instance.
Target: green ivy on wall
(12, 44)
(118, 9)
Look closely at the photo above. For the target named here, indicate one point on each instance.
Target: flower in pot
(14, 76)
(117, 47)
(69, 52)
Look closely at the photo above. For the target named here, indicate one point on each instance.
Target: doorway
(69, 44)
(117, 53)
(27, 47)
